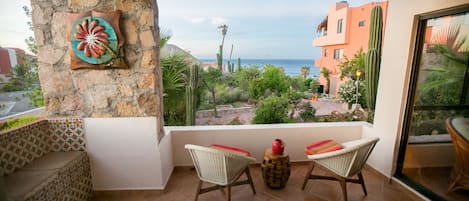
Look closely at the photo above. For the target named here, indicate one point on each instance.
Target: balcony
(183, 182)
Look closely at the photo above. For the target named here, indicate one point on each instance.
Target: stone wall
(133, 92)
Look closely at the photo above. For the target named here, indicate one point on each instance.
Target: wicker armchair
(222, 168)
(343, 163)
(458, 129)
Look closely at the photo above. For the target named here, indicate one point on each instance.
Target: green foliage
(13, 123)
(373, 56)
(174, 82)
(27, 73)
(349, 67)
(304, 72)
(244, 76)
(10, 86)
(308, 113)
(294, 98)
(273, 80)
(356, 115)
(238, 64)
(165, 35)
(444, 81)
(325, 72)
(210, 79)
(272, 110)
(314, 85)
(348, 92)
(235, 121)
(297, 83)
(227, 95)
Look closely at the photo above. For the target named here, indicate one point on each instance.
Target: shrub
(13, 123)
(273, 109)
(235, 121)
(308, 112)
(347, 92)
(10, 86)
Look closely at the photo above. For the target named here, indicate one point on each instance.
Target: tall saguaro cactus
(220, 57)
(191, 95)
(373, 56)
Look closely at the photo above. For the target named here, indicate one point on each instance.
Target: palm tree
(224, 29)
(165, 35)
(305, 71)
(445, 81)
(325, 73)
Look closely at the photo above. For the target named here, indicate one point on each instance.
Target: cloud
(198, 20)
(218, 20)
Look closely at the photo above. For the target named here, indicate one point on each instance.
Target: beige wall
(125, 155)
(394, 76)
(256, 138)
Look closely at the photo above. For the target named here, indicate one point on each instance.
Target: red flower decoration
(93, 39)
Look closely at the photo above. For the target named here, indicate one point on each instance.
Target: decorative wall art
(95, 40)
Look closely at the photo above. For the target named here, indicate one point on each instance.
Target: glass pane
(443, 61)
(430, 156)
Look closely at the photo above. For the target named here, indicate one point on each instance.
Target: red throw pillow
(231, 149)
(322, 146)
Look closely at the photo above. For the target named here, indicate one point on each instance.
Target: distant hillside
(171, 49)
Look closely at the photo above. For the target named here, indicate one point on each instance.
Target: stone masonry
(133, 92)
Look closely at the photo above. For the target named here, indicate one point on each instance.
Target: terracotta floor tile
(182, 184)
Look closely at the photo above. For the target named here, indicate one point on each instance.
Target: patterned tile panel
(22, 145)
(67, 134)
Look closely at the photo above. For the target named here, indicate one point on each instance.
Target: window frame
(340, 25)
(361, 23)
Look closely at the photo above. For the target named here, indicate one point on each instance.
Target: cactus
(191, 95)
(220, 58)
(373, 56)
(238, 65)
(231, 67)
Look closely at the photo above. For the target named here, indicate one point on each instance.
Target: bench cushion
(21, 184)
(231, 149)
(322, 146)
(53, 160)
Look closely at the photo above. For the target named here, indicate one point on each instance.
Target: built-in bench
(45, 160)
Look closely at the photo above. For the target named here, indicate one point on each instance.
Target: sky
(261, 29)
(281, 29)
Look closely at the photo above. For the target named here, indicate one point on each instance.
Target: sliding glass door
(439, 90)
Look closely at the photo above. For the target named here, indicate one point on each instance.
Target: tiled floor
(183, 182)
(437, 180)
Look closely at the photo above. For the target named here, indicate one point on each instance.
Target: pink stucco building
(9, 58)
(342, 33)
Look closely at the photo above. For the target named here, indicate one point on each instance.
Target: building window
(438, 90)
(325, 52)
(340, 25)
(338, 53)
(361, 23)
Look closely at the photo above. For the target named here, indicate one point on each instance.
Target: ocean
(292, 67)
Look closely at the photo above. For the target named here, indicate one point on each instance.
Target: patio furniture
(275, 169)
(343, 163)
(458, 129)
(220, 167)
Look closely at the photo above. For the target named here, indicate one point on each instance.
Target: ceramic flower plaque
(95, 40)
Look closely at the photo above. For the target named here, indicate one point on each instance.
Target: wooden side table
(275, 169)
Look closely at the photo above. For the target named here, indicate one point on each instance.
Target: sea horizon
(292, 67)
